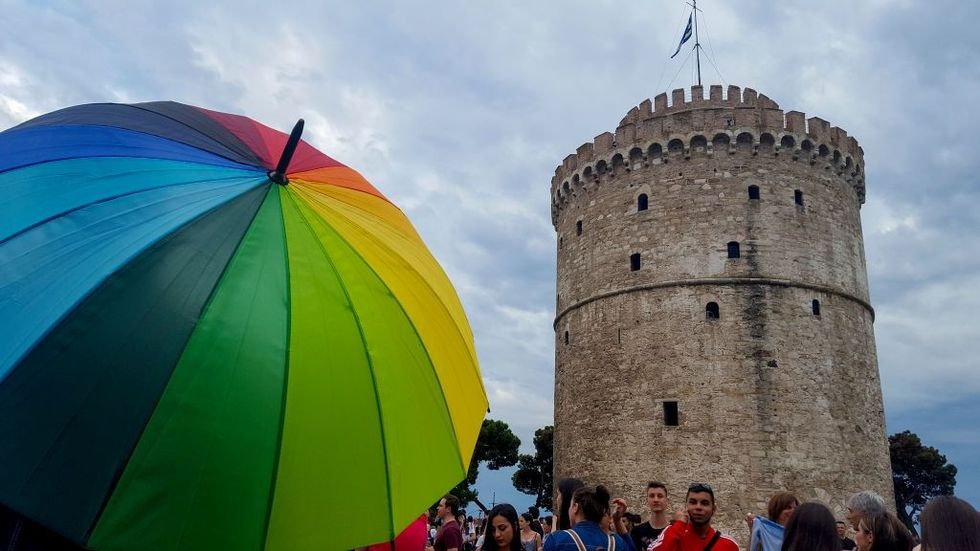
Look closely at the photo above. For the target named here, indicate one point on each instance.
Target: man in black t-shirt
(644, 534)
(846, 543)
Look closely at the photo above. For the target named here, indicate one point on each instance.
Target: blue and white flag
(686, 37)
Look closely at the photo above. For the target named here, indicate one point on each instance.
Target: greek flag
(686, 37)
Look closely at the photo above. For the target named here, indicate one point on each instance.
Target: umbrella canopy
(200, 351)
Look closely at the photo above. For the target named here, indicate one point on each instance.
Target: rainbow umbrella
(204, 348)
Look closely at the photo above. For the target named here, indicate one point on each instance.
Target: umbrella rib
(245, 148)
(412, 325)
(367, 355)
(285, 376)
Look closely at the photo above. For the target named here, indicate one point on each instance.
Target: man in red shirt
(450, 536)
(691, 529)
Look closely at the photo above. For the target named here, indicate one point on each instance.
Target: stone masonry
(781, 391)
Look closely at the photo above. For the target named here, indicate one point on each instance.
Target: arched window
(617, 162)
(733, 249)
(816, 307)
(753, 192)
(766, 142)
(711, 311)
(798, 197)
(578, 228)
(641, 202)
(655, 152)
(787, 143)
(634, 262)
(636, 155)
(744, 142)
(721, 141)
(601, 167)
(699, 143)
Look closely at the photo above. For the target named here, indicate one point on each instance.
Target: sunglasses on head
(700, 487)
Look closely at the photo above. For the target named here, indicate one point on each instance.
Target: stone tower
(713, 319)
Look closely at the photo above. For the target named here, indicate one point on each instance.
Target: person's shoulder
(557, 539)
(727, 542)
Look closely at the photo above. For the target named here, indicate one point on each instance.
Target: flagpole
(697, 42)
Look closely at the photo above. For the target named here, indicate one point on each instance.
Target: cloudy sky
(460, 111)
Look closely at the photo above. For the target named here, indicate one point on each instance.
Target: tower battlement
(742, 120)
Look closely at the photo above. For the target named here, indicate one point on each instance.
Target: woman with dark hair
(530, 540)
(811, 527)
(949, 523)
(566, 487)
(882, 532)
(586, 511)
(502, 531)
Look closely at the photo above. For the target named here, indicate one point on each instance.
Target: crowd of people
(588, 519)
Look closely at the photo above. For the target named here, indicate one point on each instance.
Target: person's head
(589, 503)
(547, 524)
(863, 503)
(656, 497)
(781, 506)
(448, 507)
(882, 531)
(700, 500)
(949, 523)
(841, 528)
(566, 487)
(811, 527)
(525, 521)
(502, 529)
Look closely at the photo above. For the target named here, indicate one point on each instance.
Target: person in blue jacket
(589, 512)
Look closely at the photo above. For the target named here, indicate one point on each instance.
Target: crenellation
(796, 122)
(716, 94)
(626, 133)
(766, 103)
(838, 137)
(584, 152)
(660, 103)
(604, 143)
(677, 98)
(570, 163)
(646, 109)
(749, 97)
(697, 94)
(734, 94)
(818, 128)
(772, 118)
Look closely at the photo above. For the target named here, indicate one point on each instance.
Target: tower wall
(770, 395)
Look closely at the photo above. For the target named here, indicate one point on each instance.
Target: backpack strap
(713, 541)
(578, 541)
(612, 543)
